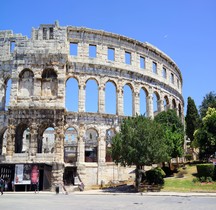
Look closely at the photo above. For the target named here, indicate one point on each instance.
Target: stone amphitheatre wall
(39, 68)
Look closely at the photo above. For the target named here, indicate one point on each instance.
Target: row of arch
(92, 94)
(92, 87)
(46, 142)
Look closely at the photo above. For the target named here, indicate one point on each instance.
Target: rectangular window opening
(172, 78)
(128, 58)
(154, 67)
(73, 49)
(12, 46)
(92, 51)
(111, 54)
(142, 62)
(164, 73)
(177, 83)
(44, 33)
(51, 33)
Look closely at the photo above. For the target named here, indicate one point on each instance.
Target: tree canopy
(205, 136)
(174, 132)
(192, 118)
(208, 101)
(140, 142)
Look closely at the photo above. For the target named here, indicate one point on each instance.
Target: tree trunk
(138, 176)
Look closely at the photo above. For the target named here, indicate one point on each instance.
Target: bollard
(57, 189)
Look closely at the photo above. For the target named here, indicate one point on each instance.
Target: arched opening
(174, 104)
(22, 138)
(26, 83)
(179, 111)
(143, 101)
(91, 145)
(91, 96)
(48, 140)
(72, 95)
(128, 100)
(6, 97)
(49, 84)
(110, 133)
(156, 99)
(70, 145)
(110, 98)
(166, 103)
(3, 141)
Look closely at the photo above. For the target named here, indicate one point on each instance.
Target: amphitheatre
(37, 128)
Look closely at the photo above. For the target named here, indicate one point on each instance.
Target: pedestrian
(2, 185)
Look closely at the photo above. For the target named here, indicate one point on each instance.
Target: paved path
(98, 200)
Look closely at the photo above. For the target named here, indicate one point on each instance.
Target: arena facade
(36, 128)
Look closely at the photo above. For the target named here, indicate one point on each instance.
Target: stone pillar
(160, 105)
(81, 107)
(136, 103)
(10, 141)
(120, 104)
(149, 107)
(101, 97)
(57, 175)
(33, 140)
(81, 146)
(101, 149)
(59, 144)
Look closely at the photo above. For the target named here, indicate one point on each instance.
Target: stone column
(101, 97)
(101, 149)
(120, 104)
(10, 141)
(136, 103)
(81, 146)
(33, 140)
(59, 144)
(160, 105)
(81, 107)
(149, 107)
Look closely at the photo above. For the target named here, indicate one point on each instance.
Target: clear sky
(184, 29)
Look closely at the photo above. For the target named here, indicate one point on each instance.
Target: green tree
(208, 101)
(140, 142)
(174, 132)
(205, 136)
(192, 118)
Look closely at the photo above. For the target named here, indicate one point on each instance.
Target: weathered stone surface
(39, 68)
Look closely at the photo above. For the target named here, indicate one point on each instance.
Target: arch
(70, 145)
(91, 95)
(179, 111)
(91, 145)
(49, 86)
(110, 97)
(7, 93)
(48, 141)
(22, 138)
(143, 101)
(26, 82)
(72, 94)
(3, 141)
(174, 104)
(110, 133)
(166, 103)
(156, 99)
(128, 99)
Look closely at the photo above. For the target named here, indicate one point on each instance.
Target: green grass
(186, 184)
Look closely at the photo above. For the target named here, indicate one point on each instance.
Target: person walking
(2, 185)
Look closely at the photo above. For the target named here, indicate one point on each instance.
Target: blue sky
(183, 29)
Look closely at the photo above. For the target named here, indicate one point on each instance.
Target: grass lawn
(185, 184)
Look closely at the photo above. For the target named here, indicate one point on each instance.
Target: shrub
(195, 180)
(155, 176)
(205, 170)
(167, 171)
